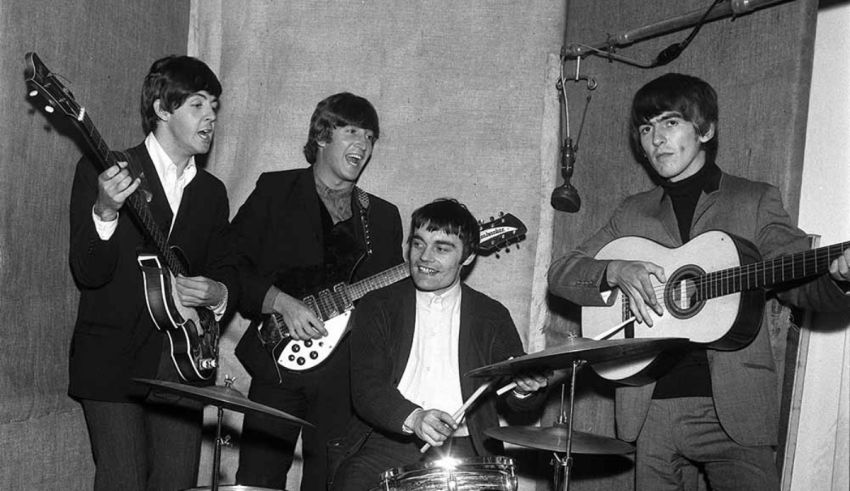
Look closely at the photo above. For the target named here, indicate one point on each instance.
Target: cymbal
(221, 396)
(582, 349)
(554, 438)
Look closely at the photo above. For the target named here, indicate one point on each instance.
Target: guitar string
(755, 275)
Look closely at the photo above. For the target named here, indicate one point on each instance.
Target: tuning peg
(49, 109)
(33, 93)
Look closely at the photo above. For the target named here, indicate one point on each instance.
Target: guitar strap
(363, 201)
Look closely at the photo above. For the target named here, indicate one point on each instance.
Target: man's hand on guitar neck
(299, 318)
(114, 186)
(633, 279)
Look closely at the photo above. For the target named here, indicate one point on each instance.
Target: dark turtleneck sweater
(690, 376)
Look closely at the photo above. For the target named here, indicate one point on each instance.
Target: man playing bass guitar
(148, 444)
(301, 231)
(714, 410)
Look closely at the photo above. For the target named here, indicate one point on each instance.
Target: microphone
(565, 197)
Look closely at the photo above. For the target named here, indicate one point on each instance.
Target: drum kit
(482, 473)
(499, 473)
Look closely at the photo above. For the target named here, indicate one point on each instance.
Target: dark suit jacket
(743, 381)
(381, 340)
(114, 338)
(279, 234)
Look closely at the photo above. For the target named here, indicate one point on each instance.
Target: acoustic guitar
(714, 294)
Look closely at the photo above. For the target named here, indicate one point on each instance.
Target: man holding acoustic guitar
(683, 259)
(300, 232)
(152, 195)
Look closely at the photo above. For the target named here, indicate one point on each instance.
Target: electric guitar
(716, 301)
(334, 305)
(193, 333)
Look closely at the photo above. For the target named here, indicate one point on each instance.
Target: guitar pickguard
(304, 355)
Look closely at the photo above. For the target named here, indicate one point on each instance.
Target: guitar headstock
(40, 80)
(500, 232)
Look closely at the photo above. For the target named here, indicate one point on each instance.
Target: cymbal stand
(219, 441)
(563, 465)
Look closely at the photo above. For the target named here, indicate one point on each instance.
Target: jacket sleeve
(247, 236)
(777, 235)
(577, 276)
(221, 260)
(374, 394)
(504, 344)
(93, 261)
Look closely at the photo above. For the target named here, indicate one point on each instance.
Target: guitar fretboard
(137, 202)
(328, 304)
(385, 278)
(765, 274)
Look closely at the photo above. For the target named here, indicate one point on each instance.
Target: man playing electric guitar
(153, 444)
(716, 410)
(299, 231)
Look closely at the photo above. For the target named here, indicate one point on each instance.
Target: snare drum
(450, 474)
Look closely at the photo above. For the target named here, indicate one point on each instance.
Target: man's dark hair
(172, 80)
(689, 96)
(450, 217)
(336, 111)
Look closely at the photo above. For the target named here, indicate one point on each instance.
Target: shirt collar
(162, 162)
(448, 297)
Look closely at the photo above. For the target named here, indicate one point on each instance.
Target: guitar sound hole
(681, 293)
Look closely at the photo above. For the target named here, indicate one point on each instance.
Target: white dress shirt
(431, 377)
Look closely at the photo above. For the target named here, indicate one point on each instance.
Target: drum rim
(432, 464)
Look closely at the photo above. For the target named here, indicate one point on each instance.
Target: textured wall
(103, 50)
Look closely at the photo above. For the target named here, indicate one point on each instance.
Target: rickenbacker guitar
(716, 301)
(193, 333)
(334, 305)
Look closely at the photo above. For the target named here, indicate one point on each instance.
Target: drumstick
(599, 337)
(613, 330)
(459, 414)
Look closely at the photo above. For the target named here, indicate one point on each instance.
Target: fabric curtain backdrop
(460, 89)
(102, 50)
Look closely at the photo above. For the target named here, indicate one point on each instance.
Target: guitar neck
(385, 278)
(138, 205)
(766, 274)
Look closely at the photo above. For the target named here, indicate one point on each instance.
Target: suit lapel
(158, 205)
(705, 203)
(667, 217)
(408, 327)
(467, 341)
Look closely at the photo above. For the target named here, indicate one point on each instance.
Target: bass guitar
(193, 333)
(716, 301)
(334, 305)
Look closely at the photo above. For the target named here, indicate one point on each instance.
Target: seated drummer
(410, 347)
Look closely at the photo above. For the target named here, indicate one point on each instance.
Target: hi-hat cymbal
(221, 396)
(582, 349)
(554, 438)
